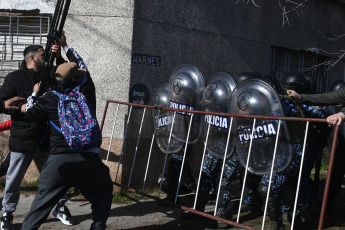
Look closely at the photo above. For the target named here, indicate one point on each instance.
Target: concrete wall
(223, 36)
(214, 35)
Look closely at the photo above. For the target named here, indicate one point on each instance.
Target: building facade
(138, 43)
(129, 42)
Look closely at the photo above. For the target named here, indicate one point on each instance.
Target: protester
(276, 206)
(65, 167)
(7, 126)
(24, 138)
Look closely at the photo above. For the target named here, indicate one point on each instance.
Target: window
(16, 33)
(284, 60)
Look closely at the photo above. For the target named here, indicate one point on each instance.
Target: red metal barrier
(236, 224)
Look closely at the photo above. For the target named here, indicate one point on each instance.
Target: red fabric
(5, 125)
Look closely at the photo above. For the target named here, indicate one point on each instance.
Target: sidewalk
(135, 215)
(147, 214)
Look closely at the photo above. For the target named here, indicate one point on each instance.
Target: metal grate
(283, 61)
(16, 33)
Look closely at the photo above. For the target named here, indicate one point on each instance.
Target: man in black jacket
(66, 168)
(24, 138)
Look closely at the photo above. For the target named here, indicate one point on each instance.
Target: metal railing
(128, 108)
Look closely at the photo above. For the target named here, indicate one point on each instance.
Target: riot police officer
(183, 91)
(284, 167)
(173, 149)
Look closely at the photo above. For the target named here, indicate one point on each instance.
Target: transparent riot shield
(216, 98)
(186, 88)
(255, 97)
(162, 121)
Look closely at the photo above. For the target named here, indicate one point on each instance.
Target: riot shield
(216, 98)
(186, 87)
(255, 97)
(162, 120)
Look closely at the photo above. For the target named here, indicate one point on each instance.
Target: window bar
(18, 18)
(10, 36)
(288, 61)
(2, 53)
(301, 62)
(40, 30)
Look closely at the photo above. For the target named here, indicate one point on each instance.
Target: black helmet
(312, 84)
(337, 85)
(248, 75)
(296, 82)
(272, 81)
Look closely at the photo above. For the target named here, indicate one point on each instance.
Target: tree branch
(253, 1)
(288, 7)
(329, 64)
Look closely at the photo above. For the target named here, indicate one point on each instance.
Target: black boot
(192, 216)
(273, 212)
(225, 214)
(98, 226)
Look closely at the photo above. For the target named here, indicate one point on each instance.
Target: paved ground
(147, 214)
(135, 215)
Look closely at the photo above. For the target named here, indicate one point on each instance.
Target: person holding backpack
(61, 211)
(25, 135)
(73, 162)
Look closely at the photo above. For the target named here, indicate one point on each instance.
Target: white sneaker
(63, 214)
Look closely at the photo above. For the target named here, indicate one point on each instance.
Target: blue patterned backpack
(78, 122)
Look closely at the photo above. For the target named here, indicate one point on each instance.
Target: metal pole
(224, 160)
(300, 175)
(123, 144)
(149, 157)
(328, 180)
(184, 157)
(271, 174)
(202, 162)
(166, 154)
(112, 133)
(136, 147)
(245, 174)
